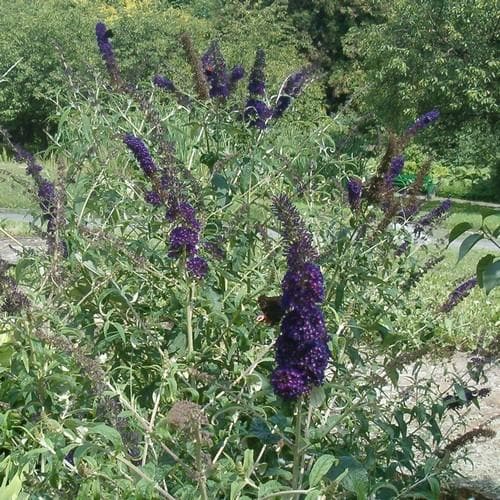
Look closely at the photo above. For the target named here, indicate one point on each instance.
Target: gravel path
(481, 475)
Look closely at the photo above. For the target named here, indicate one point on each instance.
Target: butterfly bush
(462, 291)
(423, 121)
(103, 36)
(184, 239)
(354, 192)
(302, 352)
(433, 216)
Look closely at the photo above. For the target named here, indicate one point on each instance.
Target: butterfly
(272, 312)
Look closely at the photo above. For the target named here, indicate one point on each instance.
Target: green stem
(249, 235)
(297, 451)
(189, 316)
(202, 480)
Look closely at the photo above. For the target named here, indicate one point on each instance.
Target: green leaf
(236, 487)
(488, 212)
(317, 397)
(481, 266)
(11, 491)
(458, 230)
(248, 462)
(467, 245)
(312, 495)
(269, 487)
(320, 468)
(260, 430)
(496, 232)
(106, 432)
(491, 276)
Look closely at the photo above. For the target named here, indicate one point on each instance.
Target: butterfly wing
(272, 312)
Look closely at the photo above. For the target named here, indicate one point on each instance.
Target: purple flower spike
(289, 383)
(141, 153)
(164, 83)
(303, 285)
(214, 68)
(423, 121)
(257, 84)
(197, 267)
(237, 73)
(292, 88)
(395, 168)
(46, 194)
(433, 216)
(354, 191)
(459, 294)
(302, 353)
(183, 239)
(257, 113)
(103, 35)
(153, 198)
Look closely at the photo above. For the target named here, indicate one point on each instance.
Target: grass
(14, 186)
(14, 228)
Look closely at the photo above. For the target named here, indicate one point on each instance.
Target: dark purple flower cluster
(354, 192)
(103, 36)
(434, 215)
(214, 67)
(141, 153)
(459, 294)
(423, 121)
(46, 189)
(395, 168)
(257, 113)
(184, 239)
(302, 353)
(197, 267)
(237, 74)
(257, 79)
(291, 89)
(164, 83)
(153, 198)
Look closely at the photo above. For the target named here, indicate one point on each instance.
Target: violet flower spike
(302, 354)
(459, 294)
(395, 168)
(291, 89)
(423, 121)
(103, 36)
(257, 79)
(214, 67)
(197, 267)
(354, 192)
(257, 113)
(164, 83)
(141, 153)
(433, 216)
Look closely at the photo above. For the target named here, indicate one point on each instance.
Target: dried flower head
(184, 415)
